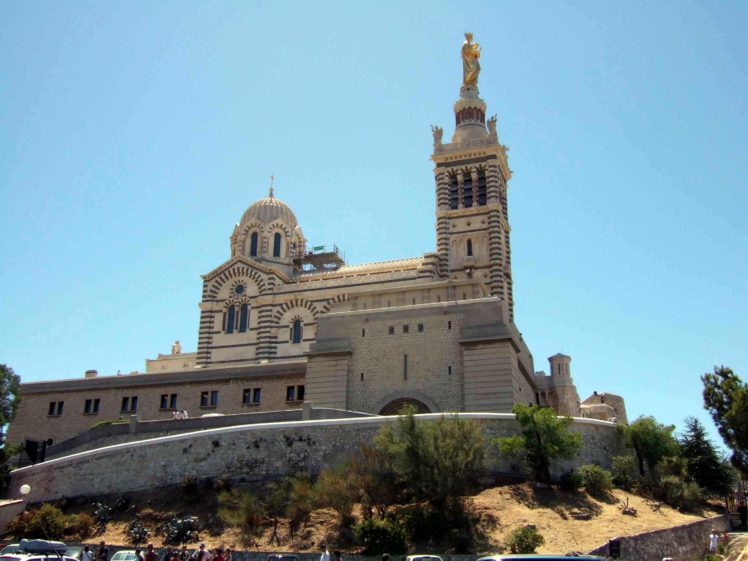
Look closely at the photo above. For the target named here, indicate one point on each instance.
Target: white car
(124, 555)
(423, 558)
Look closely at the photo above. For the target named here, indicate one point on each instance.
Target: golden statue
(470, 64)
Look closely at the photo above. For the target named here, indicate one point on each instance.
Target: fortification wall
(251, 453)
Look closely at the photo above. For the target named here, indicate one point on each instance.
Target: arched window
(253, 245)
(243, 318)
(230, 319)
(470, 248)
(277, 245)
(297, 330)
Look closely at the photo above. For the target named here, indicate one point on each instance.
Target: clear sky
(133, 135)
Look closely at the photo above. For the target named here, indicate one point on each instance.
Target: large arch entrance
(395, 406)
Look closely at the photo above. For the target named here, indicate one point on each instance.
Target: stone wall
(252, 453)
(683, 543)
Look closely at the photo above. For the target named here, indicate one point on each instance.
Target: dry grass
(568, 521)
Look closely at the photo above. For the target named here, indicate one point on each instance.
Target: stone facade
(435, 331)
(253, 453)
(35, 421)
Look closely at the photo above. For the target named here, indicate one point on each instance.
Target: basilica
(283, 325)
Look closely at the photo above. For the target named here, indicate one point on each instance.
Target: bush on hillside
(525, 540)
(376, 535)
(597, 481)
(80, 525)
(102, 514)
(46, 522)
(137, 533)
(672, 490)
(181, 530)
(624, 471)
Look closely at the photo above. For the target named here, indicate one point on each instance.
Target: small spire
(272, 179)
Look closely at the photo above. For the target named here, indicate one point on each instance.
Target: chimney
(92, 373)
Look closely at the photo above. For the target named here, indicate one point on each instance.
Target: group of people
(171, 554)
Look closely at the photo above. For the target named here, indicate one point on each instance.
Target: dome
(267, 210)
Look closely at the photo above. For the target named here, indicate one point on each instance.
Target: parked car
(35, 550)
(281, 557)
(124, 555)
(423, 558)
(539, 557)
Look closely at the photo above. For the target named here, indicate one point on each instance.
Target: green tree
(9, 399)
(545, 437)
(243, 510)
(300, 503)
(277, 497)
(433, 461)
(338, 489)
(703, 464)
(376, 479)
(651, 441)
(726, 400)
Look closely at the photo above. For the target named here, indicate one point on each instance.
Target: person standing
(87, 554)
(325, 555)
(103, 552)
(139, 556)
(713, 541)
(150, 554)
(201, 554)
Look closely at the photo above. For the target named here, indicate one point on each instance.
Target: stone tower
(472, 219)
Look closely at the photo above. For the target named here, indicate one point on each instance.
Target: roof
(269, 209)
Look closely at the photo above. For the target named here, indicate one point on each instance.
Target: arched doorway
(395, 406)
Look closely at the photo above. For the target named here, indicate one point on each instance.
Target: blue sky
(133, 135)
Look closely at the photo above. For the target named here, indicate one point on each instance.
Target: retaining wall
(130, 431)
(683, 543)
(257, 452)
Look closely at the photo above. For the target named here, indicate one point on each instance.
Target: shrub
(46, 522)
(571, 480)
(624, 471)
(672, 490)
(597, 481)
(80, 525)
(243, 510)
(137, 533)
(525, 540)
(181, 530)
(300, 505)
(377, 535)
(102, 514)
(337, 488)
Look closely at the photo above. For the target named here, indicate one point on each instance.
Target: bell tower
(471, 173)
